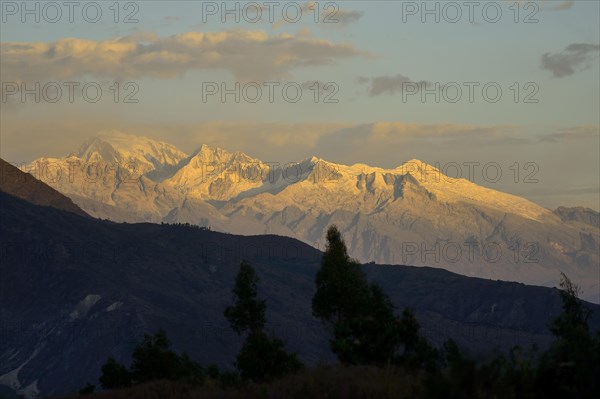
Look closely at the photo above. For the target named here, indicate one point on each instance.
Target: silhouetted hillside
(75, 290)
(22, 185)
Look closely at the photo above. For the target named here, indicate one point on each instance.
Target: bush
(87, 389)
(115, 375)
(263, 358)
(152, 360)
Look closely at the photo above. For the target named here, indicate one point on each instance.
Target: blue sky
(371, 56)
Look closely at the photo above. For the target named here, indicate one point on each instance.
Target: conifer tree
(262, 357)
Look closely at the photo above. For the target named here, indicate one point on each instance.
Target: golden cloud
(249, 55)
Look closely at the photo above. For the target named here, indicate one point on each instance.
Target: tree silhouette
(570, 368)
(262, 357)
(361, 316)
(247, 312)
(342, 288)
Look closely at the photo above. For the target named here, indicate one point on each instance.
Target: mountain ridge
(395, 215)
(121, 144)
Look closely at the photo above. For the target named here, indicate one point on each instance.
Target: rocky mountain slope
(412, 214)
(579, 214)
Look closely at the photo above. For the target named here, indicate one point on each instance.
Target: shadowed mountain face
(579, 214)
(25, 186)
(75, 290)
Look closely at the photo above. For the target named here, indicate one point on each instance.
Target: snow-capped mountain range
(412, 214)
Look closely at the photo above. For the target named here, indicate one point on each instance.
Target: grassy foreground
(331, 382)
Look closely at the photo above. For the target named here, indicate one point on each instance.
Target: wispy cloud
(395, 132)
(339, 18)
(565, 63)
(565, 5)
(548, 5)
(389, 84)
(328, 15)
(573, 133)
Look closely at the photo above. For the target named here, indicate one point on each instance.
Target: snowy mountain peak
(97, 150)
(208, 154)
(213, 173)
(418, 168)
(305, 166)
(150, 149)
(242, 157)
(118, 147)
(215, 155)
